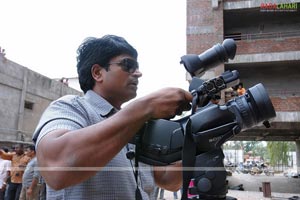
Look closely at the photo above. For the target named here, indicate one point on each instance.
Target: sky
(44, 35)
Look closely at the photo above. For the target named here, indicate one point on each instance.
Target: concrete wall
(24, 94)
(298, 155)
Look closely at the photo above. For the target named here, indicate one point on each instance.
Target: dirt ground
(278, 182)
(281, 187)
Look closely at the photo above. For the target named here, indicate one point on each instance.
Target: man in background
(31, 177)
(4, 174)
(18, 160)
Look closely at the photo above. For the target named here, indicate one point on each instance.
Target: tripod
(209, 177)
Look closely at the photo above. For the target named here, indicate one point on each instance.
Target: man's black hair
(19, 145)
(5, 149)
(99, 51)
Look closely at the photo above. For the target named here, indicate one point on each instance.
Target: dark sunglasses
(127, 65)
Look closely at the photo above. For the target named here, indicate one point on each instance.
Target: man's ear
(97, 72)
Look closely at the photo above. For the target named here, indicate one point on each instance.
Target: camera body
(161, 141)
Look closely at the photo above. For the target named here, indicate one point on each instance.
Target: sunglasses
(127, 65)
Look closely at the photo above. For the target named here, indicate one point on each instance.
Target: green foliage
(260, 150)
(233, 145)
(275, 152)
(249, 146)
(278, 152)
(292, 146)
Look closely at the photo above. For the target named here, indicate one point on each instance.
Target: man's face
(117, 84)
(19, 150)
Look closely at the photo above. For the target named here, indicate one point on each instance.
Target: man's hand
(3, 188)
(168, 102)
(29, 192)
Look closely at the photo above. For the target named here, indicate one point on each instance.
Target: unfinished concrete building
(268, 52)
(24, 95)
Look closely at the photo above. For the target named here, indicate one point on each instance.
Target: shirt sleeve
(36, 173)
(61, 114)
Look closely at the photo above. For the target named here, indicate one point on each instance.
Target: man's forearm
(5, 156)
(34, 183)
(169, 177)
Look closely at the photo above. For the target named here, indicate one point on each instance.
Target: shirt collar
(103, 107)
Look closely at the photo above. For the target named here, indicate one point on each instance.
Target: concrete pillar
(298, 155)
(20, 135)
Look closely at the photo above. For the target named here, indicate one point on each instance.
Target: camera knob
(130, 154)
(204, 185)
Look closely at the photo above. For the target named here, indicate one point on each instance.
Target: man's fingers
(188, 96)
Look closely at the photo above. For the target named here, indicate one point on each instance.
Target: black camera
(161, 141)
(197, 138)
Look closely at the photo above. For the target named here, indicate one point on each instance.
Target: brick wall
(205, 29)
(268, 45)
(286, 104)
(204, 25)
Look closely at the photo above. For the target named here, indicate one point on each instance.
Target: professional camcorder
(197, 138)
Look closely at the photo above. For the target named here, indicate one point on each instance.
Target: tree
(278, 152)
(249, 146)
(260, 150)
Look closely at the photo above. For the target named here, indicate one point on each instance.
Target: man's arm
(169, 177)
(6, 156)
(33, 185)
(7, 176)
(96, 145)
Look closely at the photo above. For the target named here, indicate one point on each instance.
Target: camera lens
(260, 99)
(253, 107)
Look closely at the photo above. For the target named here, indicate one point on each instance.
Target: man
(19, 160)
(241, 90)
(4, 174)
(84, 138)
(31, 178)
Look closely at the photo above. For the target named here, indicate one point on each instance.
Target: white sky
(44, 35)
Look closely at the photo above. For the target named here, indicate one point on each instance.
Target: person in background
(91, 132)
(18, 161)
(4, 174)
(241, 90)
(43, 191)
(31, 178)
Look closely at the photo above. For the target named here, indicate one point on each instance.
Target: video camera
(197, 138)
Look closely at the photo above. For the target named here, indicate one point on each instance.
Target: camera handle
(200, 99)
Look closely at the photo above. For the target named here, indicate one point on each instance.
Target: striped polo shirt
(116, 180)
